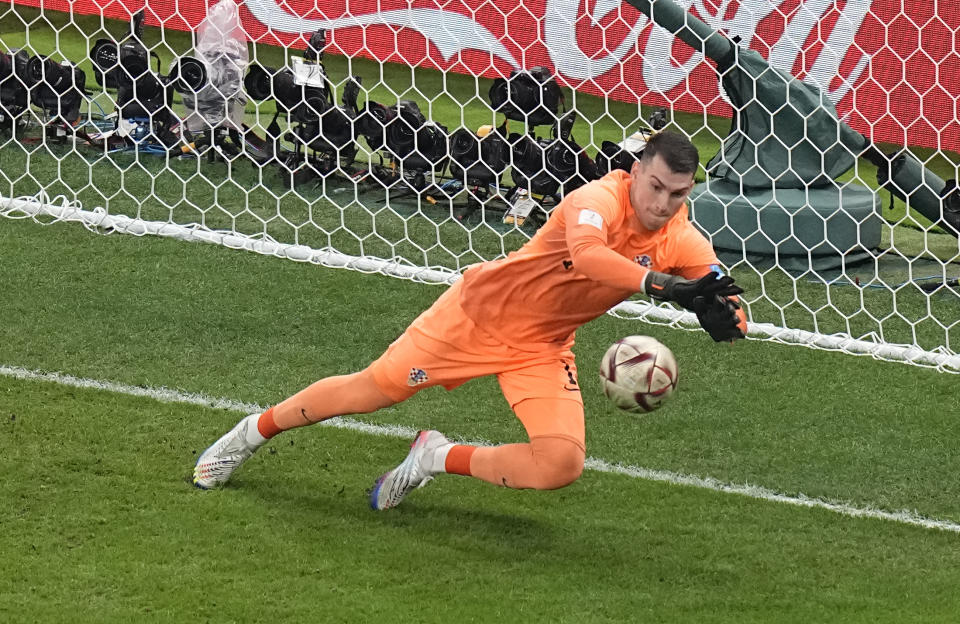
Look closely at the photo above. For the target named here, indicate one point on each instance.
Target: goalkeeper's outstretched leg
(552, 459)
(334, 396)
(545, 463)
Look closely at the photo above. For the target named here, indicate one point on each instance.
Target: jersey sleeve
(692, 255)
(588, 217)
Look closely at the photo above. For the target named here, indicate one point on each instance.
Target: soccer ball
(638, 373)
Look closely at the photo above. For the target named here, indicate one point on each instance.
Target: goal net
(416, 138)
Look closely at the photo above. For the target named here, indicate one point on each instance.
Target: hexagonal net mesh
(415, 138)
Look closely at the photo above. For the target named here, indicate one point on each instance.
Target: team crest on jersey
(643, 260)
(417, 376)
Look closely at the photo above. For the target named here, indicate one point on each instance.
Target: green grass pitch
(100, 522)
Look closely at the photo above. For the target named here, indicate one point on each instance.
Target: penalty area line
(167, 395)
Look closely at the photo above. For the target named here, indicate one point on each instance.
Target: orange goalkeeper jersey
(561, 279)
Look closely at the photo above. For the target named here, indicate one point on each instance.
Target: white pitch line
(167, 395)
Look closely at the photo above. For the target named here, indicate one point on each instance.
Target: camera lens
(54, 75)
(104, 54)
(257, 83)
(190, 72)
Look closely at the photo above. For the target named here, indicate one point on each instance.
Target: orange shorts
(444, 347)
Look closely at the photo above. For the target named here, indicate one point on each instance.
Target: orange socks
(458, 459)
(267, 426)
(543, 464)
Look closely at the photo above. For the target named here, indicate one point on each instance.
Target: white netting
(416, 139)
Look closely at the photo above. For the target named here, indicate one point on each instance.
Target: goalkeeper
(516, 318)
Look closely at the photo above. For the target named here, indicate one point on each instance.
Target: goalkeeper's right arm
(600, 263)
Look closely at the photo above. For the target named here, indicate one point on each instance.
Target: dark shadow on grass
(341, 503)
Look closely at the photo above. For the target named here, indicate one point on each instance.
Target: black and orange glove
(718, 317)
(685, 292)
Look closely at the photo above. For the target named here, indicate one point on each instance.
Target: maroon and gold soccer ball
(638, 373)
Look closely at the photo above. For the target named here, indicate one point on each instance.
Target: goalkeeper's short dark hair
(676, 150)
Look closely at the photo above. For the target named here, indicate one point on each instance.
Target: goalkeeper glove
(718, 316)
(672, 288)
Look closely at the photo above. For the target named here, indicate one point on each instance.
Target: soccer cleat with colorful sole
(391, 488)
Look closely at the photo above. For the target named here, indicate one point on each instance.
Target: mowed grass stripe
(167, 395)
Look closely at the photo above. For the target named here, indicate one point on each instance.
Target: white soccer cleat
(218, 462)
(416, 471)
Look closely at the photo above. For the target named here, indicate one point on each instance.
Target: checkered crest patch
(417, 376)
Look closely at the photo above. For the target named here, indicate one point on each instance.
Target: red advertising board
(890, 66)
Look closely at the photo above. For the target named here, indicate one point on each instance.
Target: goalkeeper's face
(657, 192)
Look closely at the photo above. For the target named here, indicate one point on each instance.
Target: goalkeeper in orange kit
(516, 318)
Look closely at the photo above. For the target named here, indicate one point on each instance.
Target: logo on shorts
(644, 260)
(417, 376)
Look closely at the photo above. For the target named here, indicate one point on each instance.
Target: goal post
(414, 139)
